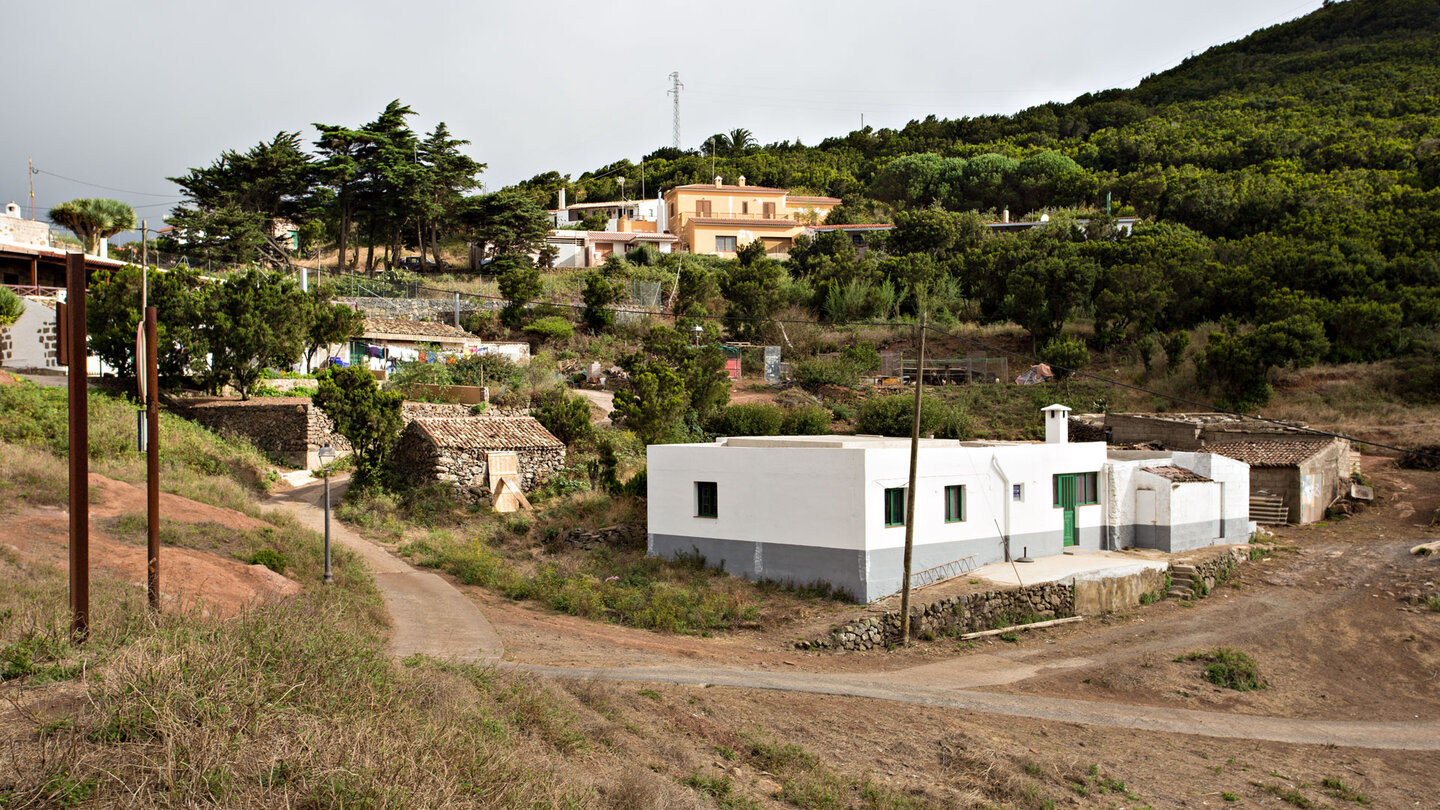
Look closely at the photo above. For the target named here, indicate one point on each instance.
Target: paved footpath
(427, 614)
(431, 616)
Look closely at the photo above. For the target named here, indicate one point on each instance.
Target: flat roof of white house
(858, 442)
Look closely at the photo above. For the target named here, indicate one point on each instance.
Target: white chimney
(742, 180)
(562, 199)
(719, 181)
(1057, 424)
(12, 210)
(1005, 215)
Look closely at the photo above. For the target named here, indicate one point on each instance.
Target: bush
(748, 419)
(11, 307)
(564, 414)
(806, 420)
(270, 558)
(816, 372)
(1064, 355)
(550, 328)
(1229, 668)
(892, 415)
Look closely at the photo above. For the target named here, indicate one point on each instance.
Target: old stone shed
(460, 451)
(1306, 474)
(1192, 431)
(291, 428)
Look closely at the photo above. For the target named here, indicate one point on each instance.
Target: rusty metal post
(79, 447)
(152, 458)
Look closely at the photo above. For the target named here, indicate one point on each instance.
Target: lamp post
(327, 455)
(697, 330)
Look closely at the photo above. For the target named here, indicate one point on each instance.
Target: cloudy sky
(111, 98)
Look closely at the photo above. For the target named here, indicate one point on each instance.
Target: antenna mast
(675, 87)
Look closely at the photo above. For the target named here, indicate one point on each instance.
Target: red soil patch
(189, 579)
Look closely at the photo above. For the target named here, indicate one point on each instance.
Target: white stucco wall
(30, 342)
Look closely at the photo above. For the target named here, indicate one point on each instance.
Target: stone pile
(610, 536)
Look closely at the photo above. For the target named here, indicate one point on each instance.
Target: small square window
(895, 506)
(955, 503)
(706, 499)
(1017, 492)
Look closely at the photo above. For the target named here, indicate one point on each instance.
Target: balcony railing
(777, 217)
(31, 289)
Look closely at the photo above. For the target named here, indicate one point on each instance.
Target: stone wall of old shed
(418, 459)
(293, 431)
(1322, 479)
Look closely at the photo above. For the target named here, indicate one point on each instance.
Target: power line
(107, 188)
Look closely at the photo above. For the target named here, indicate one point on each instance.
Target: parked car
(413, 264)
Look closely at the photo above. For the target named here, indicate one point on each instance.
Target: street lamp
(327, 455)
(698, 330)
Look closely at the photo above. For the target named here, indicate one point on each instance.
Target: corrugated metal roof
(489, 433)
(1279, 453)
(1179, 475)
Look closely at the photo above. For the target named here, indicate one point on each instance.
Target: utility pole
(32, 184)
(910, 491)
(144, 245)
(675, 87)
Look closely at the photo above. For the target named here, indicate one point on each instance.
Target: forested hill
(1313, 117)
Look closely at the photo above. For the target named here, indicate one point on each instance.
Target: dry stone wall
(963, 613)
(291, 428)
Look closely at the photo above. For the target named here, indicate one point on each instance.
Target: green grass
(1290, 796)
(1340, 790)
(685, 596)
(1229, 668)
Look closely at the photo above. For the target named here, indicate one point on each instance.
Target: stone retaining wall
(964, 613)
(419, 309)
(410, 411)
(970, 613)
(291, 428)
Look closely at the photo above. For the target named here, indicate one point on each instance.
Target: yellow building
(718, 219)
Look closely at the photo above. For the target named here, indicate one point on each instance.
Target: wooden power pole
(910, 490)
(79, 447)
(152, 458)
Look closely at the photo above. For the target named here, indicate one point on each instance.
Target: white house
(832, 508)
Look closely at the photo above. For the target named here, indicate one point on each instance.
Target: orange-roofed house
(718, 219)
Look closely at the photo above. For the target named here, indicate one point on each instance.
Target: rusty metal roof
(1179, 475)
(1278, 453)
(488, 433)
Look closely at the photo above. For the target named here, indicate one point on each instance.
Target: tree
(506, 222)
(93, 220)
(253, 321)
(600, 295)
(367, 417)
(752, 288)
(236, 208)
(653, 405)
(1238, 366)
(112, 313)
(451, 174)
(519, 283)
(330, 322)
(1041, 294)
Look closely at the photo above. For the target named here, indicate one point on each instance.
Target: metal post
(152, 457)
(910, 491)
(329, 576)
(79, 448)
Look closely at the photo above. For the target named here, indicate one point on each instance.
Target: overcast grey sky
(126, 94)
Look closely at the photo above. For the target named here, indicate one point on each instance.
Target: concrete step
(1180, 593)
(1181, 570)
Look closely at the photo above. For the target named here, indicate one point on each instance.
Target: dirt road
(427, 614)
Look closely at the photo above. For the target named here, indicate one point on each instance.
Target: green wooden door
(1067, 502)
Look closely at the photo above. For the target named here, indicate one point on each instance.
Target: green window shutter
(707, 501)
(954, 503)
(895, 506)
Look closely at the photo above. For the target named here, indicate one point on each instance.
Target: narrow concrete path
(604, 399)
(1420, 735)
(427, 614)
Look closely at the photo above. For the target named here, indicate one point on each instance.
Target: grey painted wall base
(1184, 536)
(865, 575)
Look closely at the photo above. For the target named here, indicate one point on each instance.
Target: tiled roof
(375, 327)
(1179, 475)
(489, 433)
(804, 199)
(1279, 453)
(869, 226)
